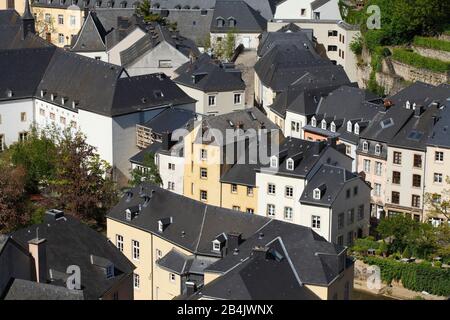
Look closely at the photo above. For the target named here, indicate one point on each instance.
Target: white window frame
(239, 99)
(315, 222)
(270, 210)
(365, 146)
(203, 154)
(289, 194)
(439, 156)
(271, 189)
(288, 213)
(317, 194)
(439, 176)
(136, 251)
(136, 281)
(378, 149)
(274, 162)
(214, 97)
(119, 242)
(290, 164)
(172, 277)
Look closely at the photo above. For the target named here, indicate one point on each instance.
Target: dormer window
(216, 245)
(408, 105)
(220, 22)
(274, 162)
(313, 122)
(356, 128)
(52, 96)
(316, 194)
(324, 125)
(333, 127)
(290, 164)
(9, 93)
(43, 92)
(231, 22)
(349, 126)
(160, 226)
(109, 271)
(378, 149)
(365, 146)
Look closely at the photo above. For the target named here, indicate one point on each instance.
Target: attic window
(216, 245)
(313, 122)
(220, 22)
(365, 146)
(252, 115)
(290, 164)
(408, 105)
(378, 149)
(43, 92)
(123, 4)
(317, 194)
(387, 123)
(231, 22)
(52, 96)
(178, 6)
(9, 93)
(333, 127)
(356, 128)
(160, 226)
(324, 124)
(274, 162)
(349, 126)
(98, 4)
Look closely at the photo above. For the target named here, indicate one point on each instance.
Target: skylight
(387, 123)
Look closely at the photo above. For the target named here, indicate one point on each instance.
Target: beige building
(18, 5)
(186, 249)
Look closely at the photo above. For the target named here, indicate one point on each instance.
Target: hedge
(416, 60)
(432, 43)
(414, 276)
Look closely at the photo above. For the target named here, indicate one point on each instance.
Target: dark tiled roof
(195, 225)
(82, 4)
(421, 94)
(30, 290)
(66, 236)
(331, 179)
(122, 26)
(248, 20)
(139, 157)
(318, 3)
(440, 136)
(209, 75)
(91, 36)
(170, 120)
(175, 261)
(297, 37)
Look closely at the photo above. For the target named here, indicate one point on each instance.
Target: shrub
(414, 276)
(416, 60)
(356, 46)
(432, 43)
(406, 253)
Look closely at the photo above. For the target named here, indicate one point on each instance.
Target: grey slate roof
(440, 135)
(211, 76)
(30, 290)
(318, 3)
(66, 236)
(421, 94)
(110, 4)
(22, 71)
(296, 36)
(170, 120)
(333, 179)
(121, 26)
(11, 33)
(91, 36)
(175, 261)
(248, 20)
(195, 225)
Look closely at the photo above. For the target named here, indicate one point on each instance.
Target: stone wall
(431, 53)
(410, 73)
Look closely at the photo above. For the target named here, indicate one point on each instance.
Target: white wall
(10, 122)
(249, 40)
(292, 9)
(294, 117)
(174, 176)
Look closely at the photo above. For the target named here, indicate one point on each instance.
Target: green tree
(144, 9)
(230, 44)
(398, 229)
(438, 205)
(37, 155)
(149, 173)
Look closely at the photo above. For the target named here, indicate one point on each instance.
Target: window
(315, 222)
(332, 33)
(271, 188)
(367, 166)
(250, 210)
(395, 197)
(271, 210)
(203, 173)
(324, 125)
(216, 245)
(171, 166)
(273, 162)
(303, 12)
(23, 136)
(397, 157)
(288, 213)
(172, 277)
(350, 216)
(136, 281)
(119, 242)
(98, 58)
(250, 191)
(377, 189)
(60, 38)
(333, 127)
(361, 212)
(295, 126)
(378, 149)
(203, 154)
(289, 192)
(417, 161)
(417, 180)
(355, 191)
(350, 238)
(439, 156)
(136, 250)
(237, 98)
(211, 101)
(437, 178)
(220, 22)
(2, 142)
(290, 164)
(234, 188)
(332, 48)
(396, 177)
(348, 149)
(109, 272)
(378, 168)
(23, 116)
(165, 63)
(170, 185)
(62, 120)
(317, 15)
(341, 220)
(317, 194)
(203, 195)
(415, 201)
(365, 146)
(348, 193)
(42, 112)
(236, 208)
(356, 128)
(73, 21)
(313, 122)
(48, 17)
(60, 19)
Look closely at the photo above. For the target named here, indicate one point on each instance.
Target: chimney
(166, 137)
(38, 250)
(419, 110)
(332, 141)
(260, 252)
(53, 215)
(234, 240)
(387, 104)
(191, 288)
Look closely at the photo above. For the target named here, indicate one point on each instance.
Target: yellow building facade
(239, 197)
(18, 5)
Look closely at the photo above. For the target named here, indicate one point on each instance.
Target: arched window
(365, 146)
(290, 164)
(349, 126)
(378, 149)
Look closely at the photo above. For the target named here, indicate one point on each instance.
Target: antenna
(37, 233)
